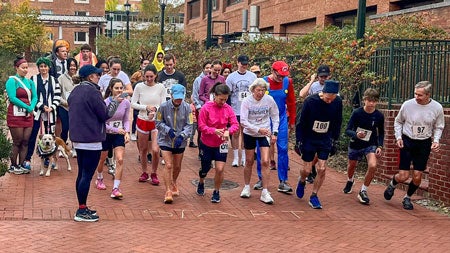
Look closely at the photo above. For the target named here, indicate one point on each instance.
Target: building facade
(285, 18)
(77, 21)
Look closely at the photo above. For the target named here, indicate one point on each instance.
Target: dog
(47, 148)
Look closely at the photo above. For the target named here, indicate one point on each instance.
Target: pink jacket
(213, 117)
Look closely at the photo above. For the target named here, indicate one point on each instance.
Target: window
(81, 37)
(46, 12)
(81, 13)
(49, 1)
(81, 1)
(215, 5)
(194, 9)
(231, 2)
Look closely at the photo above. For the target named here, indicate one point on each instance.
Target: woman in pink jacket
(213, 120)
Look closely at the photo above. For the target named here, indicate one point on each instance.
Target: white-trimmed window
(81, 13)
(47, 1)
(46, 12)
(81, 1)
(81, 37)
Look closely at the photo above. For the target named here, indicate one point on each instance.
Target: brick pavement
(36, 216)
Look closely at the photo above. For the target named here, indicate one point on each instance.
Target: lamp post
(111, 18)
(162, 4)
(127, 11)
(209, 25)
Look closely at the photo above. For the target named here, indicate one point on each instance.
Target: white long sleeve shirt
(420, 122)
(257, 114)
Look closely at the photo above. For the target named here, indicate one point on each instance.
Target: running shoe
(99, 184)
(245, 192)
(154, 179)
(314, 202)
(389, 192)
(144, 177)
(266, 198)
(284, 187)
(116, 194)
(168, 199)
(300, 191)
(258, 185)
(363, 197)
(174, 189)
(201, 189)
(407, 205)
(85, 215)
(215, 197)
(348, 187)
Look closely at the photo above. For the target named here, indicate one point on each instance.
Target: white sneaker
(245, 192)
(266, 198)
(133, 137)
(74, 153)
(235, 162)
(243, 162)
(163, 162)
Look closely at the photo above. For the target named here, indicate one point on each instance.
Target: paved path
(36, 216)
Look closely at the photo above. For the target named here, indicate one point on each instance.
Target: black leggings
(20, 137)
(87, 163)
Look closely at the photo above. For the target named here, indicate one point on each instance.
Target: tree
(21, 27)
(111, 5)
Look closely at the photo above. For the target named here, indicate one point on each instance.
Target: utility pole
(209, 26)
(361, 20)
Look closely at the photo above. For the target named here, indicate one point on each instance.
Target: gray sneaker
(407, 205)
(284, 187)
(258, 185)
(363, 197)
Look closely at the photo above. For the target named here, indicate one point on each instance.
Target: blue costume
(280, 97)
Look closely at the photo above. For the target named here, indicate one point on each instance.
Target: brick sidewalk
(36, 215)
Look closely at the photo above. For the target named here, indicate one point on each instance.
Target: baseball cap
(86, 70)
(323, 70)
(243, 59)
(255, 68)
(331, 86)
(281, 67)
(178, 91)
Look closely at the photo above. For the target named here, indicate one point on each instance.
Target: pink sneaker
(99, 184)
(143, 177)
(154, 179)
(116, 194)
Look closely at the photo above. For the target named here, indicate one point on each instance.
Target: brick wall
(435, 183)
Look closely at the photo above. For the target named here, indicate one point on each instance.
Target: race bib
(420, 131)
(116, 124)
(19, 111)
(223, 148)
(368, 133)
(242, 95)
(321, 127)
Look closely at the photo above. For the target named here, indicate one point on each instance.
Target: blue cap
(331, 86)
(86, 70)
(178, 91)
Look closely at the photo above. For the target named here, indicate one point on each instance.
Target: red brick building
(77, 21)
(286, 18)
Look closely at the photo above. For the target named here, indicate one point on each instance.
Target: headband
(20, 62)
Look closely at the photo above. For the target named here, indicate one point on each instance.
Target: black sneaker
(407, 205)
(348, 187)
(85, 215)
(192, 145)
(149, 158)
(363, 197)
(310, 178)
(201, 189)
(389, 192)
(215, 197)
(94, 212)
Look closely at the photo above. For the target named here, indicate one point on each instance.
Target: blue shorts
(174, 151)
(250, 141)
(112, 141)
(357, 154)
(310, 148)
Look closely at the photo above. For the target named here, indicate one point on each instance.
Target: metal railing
(405, 63)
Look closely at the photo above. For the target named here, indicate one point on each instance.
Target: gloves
(298, 148)
(178, 141)
(334, 148)
(171, 133)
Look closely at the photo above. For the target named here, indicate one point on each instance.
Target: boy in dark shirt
(366, 130)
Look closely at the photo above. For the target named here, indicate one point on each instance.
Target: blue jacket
(88, 113)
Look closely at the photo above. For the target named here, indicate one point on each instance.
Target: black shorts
(174, 151)
(211, 153)
(112, 141)
(250, 141)
(415, 151)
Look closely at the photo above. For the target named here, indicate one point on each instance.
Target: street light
(163, 4)
(111, 18)
(127, 11)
